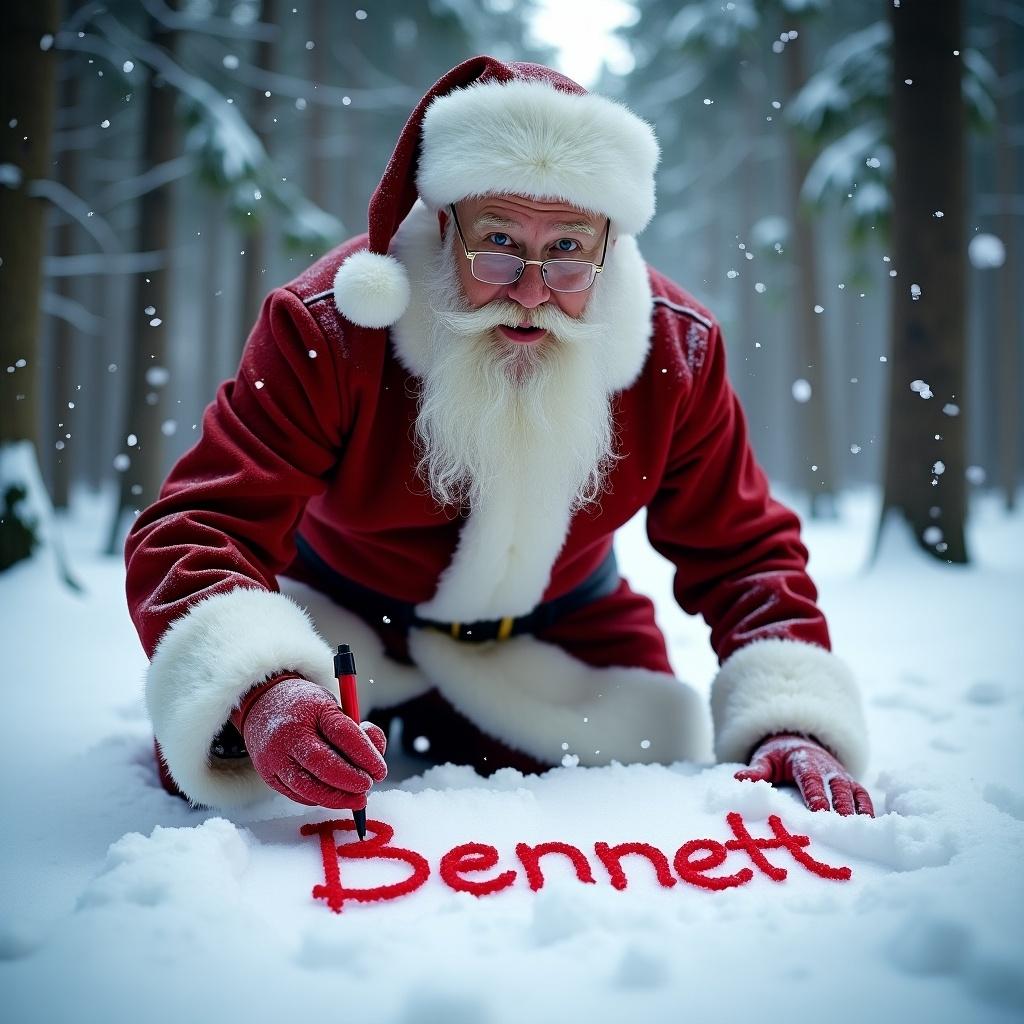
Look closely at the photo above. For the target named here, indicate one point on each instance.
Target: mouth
(524, 334)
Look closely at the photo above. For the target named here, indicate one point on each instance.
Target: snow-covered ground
(121, 904)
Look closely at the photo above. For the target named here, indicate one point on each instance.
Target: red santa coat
(314, 435)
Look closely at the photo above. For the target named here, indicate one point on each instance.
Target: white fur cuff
(778, 685)
(207, 659)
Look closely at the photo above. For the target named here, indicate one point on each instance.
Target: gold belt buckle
(504, 628)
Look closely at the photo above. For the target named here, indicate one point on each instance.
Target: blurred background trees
(203, 151)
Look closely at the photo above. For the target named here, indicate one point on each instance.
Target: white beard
(494, 412)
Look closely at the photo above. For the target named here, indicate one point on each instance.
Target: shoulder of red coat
(682, 324)
(315, 285)
(671, 300)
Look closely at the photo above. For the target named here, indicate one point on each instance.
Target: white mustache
(501, 312)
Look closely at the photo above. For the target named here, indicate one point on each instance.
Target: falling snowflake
(801, 390)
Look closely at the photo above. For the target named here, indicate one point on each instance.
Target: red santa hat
(487, 127)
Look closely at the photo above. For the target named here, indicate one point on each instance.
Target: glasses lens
(569, 275)
(496, 268)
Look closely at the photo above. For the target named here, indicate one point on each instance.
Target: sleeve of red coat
(202, 561)
(740, 564)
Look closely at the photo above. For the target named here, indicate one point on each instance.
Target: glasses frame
(471, 255)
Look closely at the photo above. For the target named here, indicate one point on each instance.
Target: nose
(529, 291)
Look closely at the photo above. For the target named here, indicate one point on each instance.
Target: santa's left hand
(787, 758)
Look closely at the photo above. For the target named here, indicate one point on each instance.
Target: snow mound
(181, 867)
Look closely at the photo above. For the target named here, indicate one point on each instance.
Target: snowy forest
(842, 184)
(165, 164)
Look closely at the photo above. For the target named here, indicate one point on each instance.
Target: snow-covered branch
(1005, 9)
(84, 264)
(76, 208)
(77, 138)
(840, 165)
(156, 177)
(726, 160)
(86, 42)
(72, 312)
(854, 74)
(80, 16)
(398, 97)
(347, 54)
(226, 28)
(118, 43)
(221, 131)
(670, 89)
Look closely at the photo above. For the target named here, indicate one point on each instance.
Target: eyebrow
(491, 220)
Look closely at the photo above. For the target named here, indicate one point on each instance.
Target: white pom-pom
(371, 290)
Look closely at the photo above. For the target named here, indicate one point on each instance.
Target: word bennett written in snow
(692, 861)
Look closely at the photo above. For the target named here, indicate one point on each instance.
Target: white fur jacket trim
(778, 685)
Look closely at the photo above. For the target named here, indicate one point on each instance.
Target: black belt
(375, 606)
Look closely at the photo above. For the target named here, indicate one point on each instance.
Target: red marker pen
(345, 670)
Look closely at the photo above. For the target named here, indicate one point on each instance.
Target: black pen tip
(360, 819)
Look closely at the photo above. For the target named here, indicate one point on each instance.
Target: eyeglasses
(558, 275)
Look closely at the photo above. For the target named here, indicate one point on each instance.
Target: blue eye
(567, 245)
(499, 238)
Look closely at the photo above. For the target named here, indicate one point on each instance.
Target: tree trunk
(216, 362)
(1008, 339)
(925, 457)
(28, 86)
(145, 372)
(316, 137)
(751, 326)
(62, 391)
(254, 273)
(813, 429)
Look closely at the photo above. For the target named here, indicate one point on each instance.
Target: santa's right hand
(307, 748)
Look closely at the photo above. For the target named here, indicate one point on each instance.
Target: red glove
(304, 746)
(787, 758)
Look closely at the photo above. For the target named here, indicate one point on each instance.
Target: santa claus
(433, 436)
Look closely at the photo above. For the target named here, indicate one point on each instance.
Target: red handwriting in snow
(692, 862)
